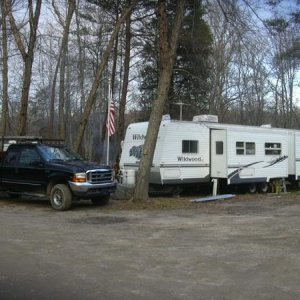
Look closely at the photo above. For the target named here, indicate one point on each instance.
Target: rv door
(218, 153)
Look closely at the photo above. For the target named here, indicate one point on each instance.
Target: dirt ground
(243, 248)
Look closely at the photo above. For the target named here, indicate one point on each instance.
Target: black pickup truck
(41, 169)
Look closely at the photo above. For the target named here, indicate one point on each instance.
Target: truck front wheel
(102, 200)
(61, 197)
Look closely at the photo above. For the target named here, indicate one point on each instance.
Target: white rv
(202, 150)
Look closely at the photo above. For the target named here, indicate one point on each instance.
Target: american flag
(110, 122)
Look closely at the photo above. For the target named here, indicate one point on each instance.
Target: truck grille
(99, 176)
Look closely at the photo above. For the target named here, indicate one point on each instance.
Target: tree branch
(15, 29)
(59, 16)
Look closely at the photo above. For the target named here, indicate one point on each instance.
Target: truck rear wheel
(61, 197)
(101, 201)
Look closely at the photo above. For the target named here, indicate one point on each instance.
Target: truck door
(8, 170)
(31, 170)
(23, 170)
(218, 153)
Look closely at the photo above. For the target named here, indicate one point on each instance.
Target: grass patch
(152, 204)
(172, 203)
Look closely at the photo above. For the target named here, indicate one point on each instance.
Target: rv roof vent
(166, 118)
(206, 118)
(266, 125)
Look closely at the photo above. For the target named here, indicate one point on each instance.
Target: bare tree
(63, 53)
(167, 49)
(113, 78)
(27, 55)
(284, 36)
(4, 115)
(122, 105)
(227, 40)
(100, 69)
(52, 95)
(81, 72)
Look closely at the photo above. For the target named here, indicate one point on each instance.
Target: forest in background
(235, 59)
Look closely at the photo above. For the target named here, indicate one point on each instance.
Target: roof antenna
(181, 105)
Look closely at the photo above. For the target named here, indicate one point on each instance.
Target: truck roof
(6, 141)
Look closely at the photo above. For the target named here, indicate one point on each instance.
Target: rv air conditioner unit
(206, 118)
(166, 117)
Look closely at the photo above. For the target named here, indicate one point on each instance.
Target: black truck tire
(61, 197)
(101, 200)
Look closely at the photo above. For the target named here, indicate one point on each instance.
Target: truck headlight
(79, 177)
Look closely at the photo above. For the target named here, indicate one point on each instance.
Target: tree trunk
(25, 96)
(115, 56)
(81, 73)
(4, 115)
(167, 55)
(52, 99)
(121, 123)
(92, 95)
(64, 47)
(27, 56)
(113, 79)
(68, 118)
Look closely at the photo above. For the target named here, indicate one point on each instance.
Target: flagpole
(108, 107)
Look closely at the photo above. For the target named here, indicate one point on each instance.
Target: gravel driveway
(245, 248)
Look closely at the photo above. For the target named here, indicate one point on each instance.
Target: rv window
(189, 146)
(240, 148)
(273, 148)
(245, 148)
(250, 148)
(219, 147)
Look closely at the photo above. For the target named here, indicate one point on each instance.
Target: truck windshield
(58, 153)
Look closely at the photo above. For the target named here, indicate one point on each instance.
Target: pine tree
(191, 68)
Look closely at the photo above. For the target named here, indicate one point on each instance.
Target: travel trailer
(204, 150)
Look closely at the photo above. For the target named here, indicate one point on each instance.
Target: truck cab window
(29, 156)
(11, 158)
